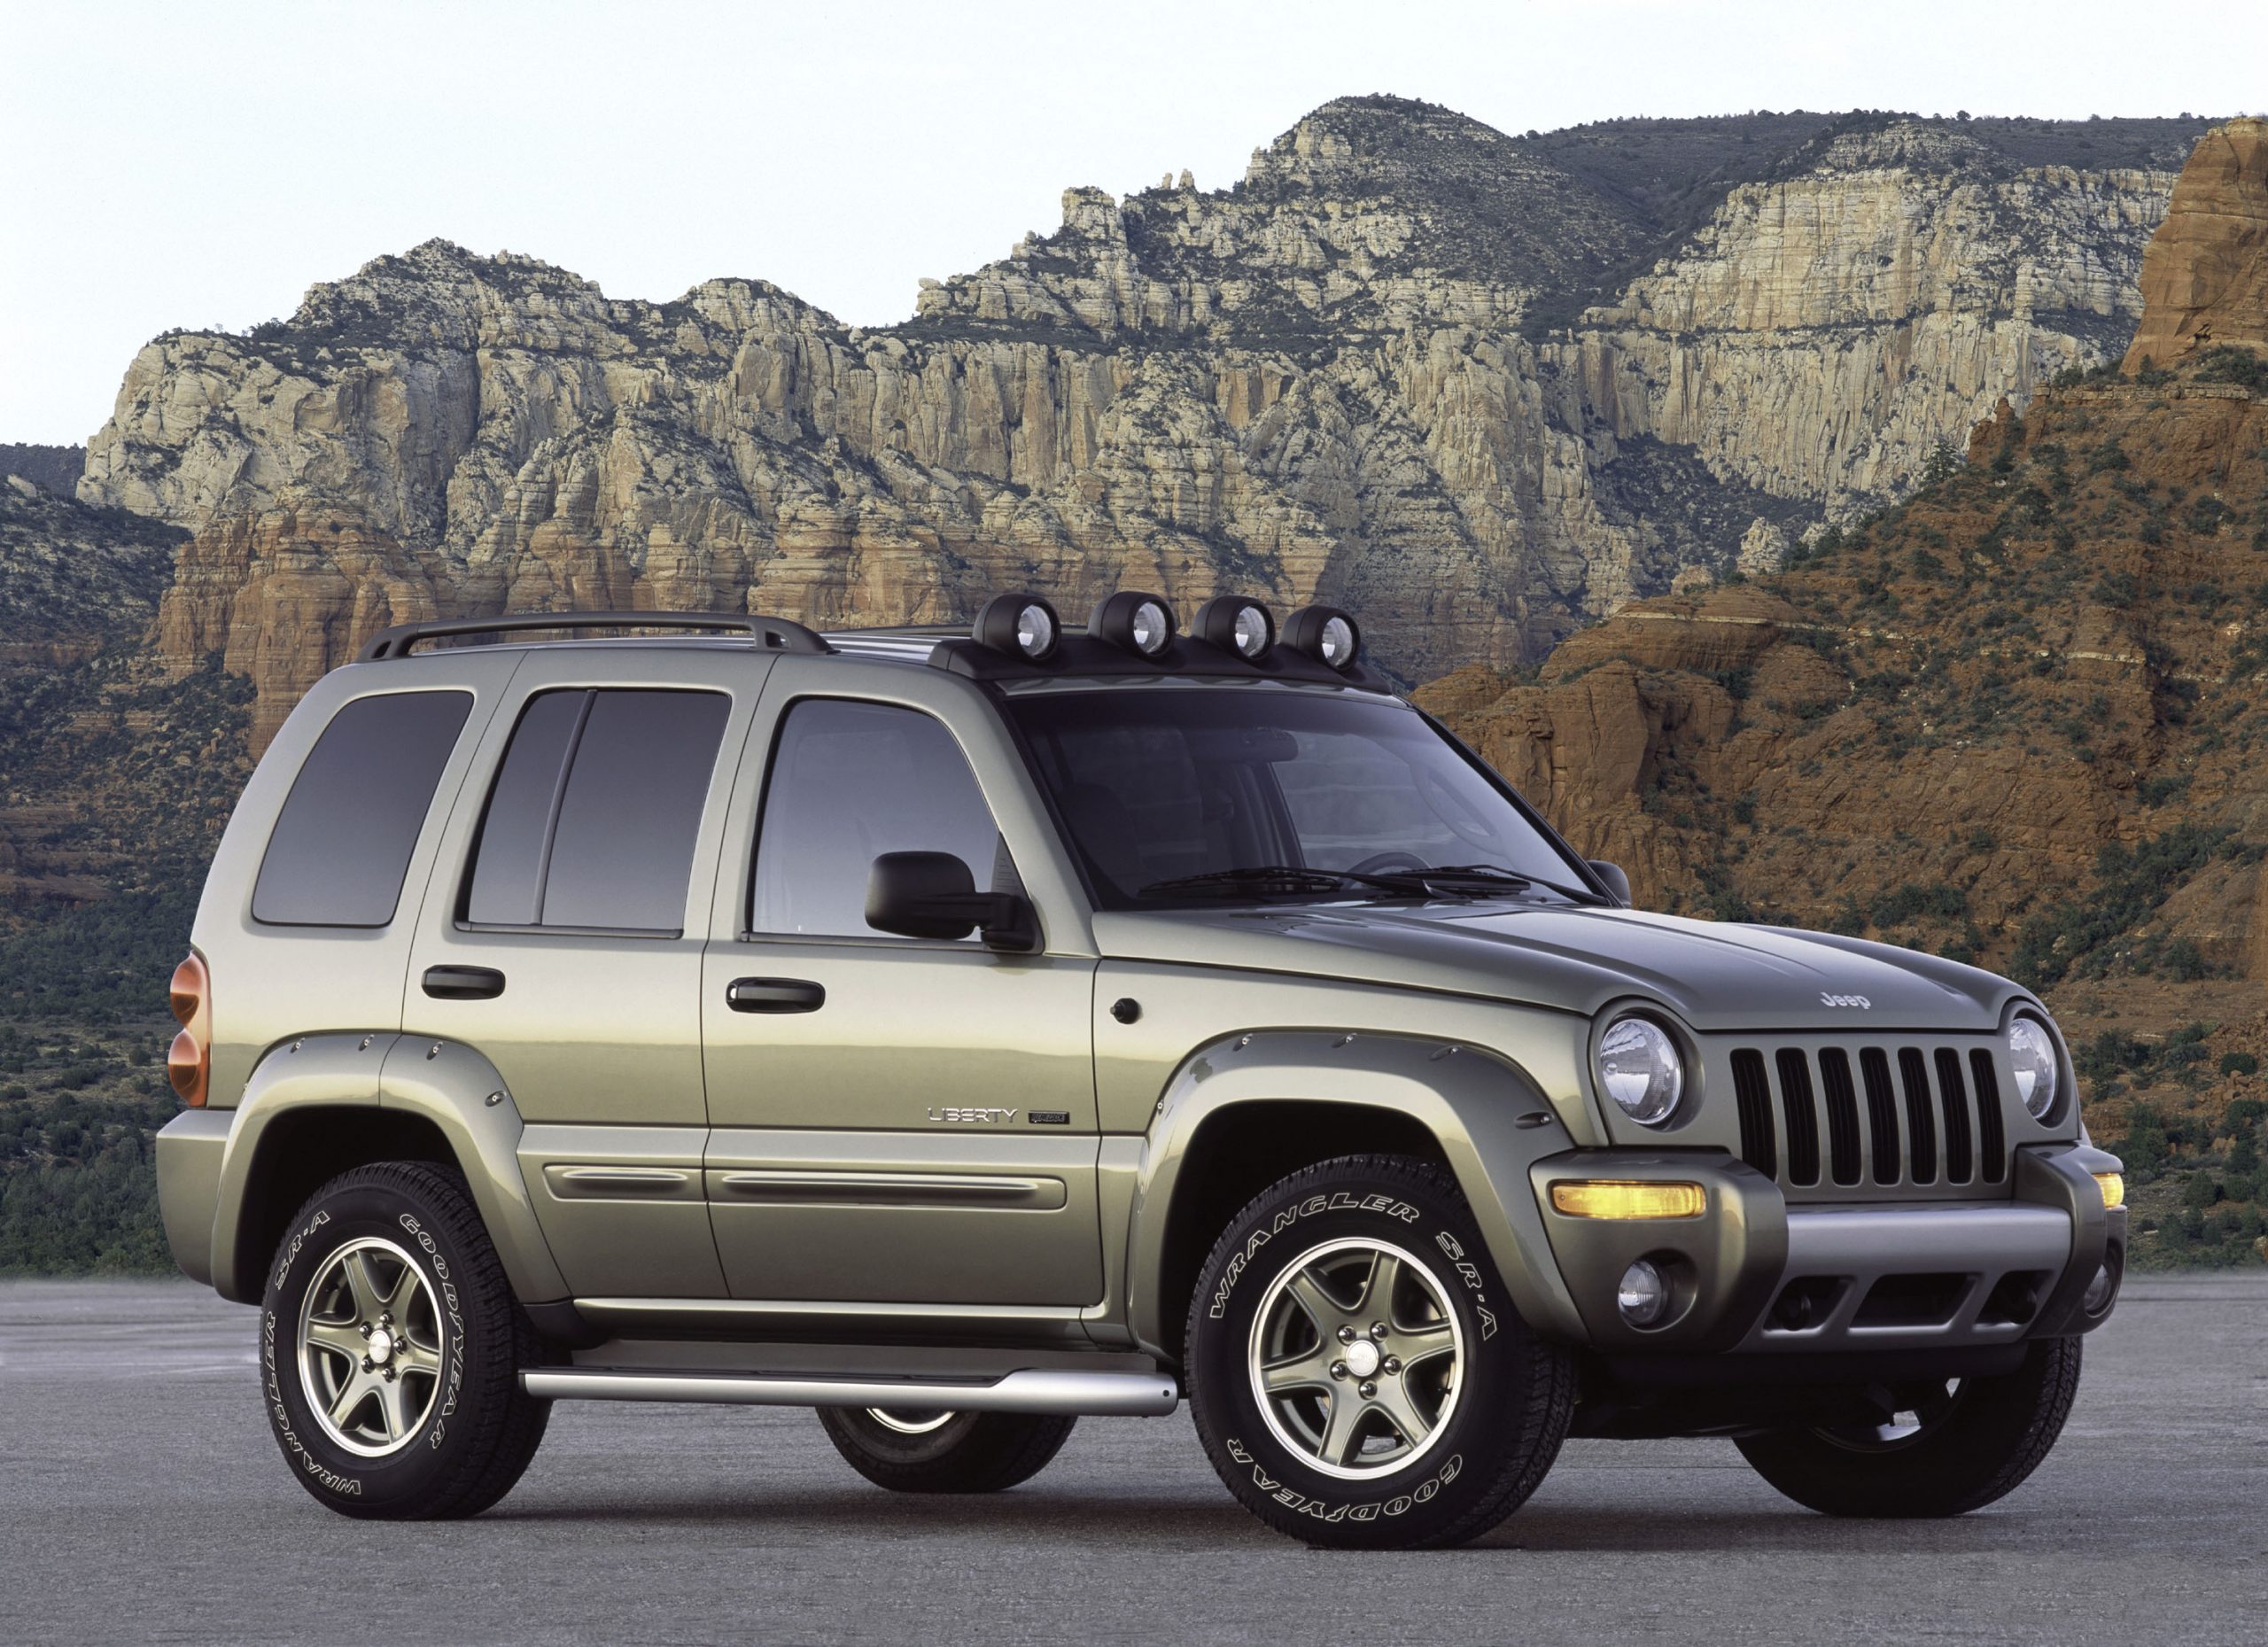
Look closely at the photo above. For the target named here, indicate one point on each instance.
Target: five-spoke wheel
(1354, 1355)
(370, 1347)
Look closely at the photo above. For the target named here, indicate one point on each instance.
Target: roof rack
(776, 634)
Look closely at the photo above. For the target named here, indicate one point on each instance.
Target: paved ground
(141, 1498)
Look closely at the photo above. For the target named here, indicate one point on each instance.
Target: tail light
(189, 1061)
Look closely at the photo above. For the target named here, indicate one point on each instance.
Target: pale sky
(202, 165)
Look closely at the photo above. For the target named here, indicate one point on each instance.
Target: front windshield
(1178, 797)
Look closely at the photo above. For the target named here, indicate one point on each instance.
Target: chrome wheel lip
(416, 1349)
(911, 1420)
(1275, 1299)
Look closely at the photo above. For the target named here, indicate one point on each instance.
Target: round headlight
(2031, 1053)
(1639, 1067)
(1022, 626)
(1324, 634)
(1236, 624)
(1142, 623)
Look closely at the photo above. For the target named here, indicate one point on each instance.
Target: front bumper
(1756, 1277)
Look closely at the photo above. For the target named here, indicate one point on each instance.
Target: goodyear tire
(390, 1349)
(916, 1450)
(1948, 1448)
(1358, 1376)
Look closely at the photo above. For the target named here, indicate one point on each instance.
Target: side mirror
(1617, 882)
(932, 895)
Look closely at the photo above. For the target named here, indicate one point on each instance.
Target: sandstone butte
(1483, 389)
(2020, 717)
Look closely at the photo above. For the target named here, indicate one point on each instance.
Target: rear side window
(343, 842)
(593, 819)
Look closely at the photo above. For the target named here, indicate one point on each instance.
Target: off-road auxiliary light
(1236, 624)
(1625, 1197)
(1325, 635)
(2113, 1186)
(1021, 626)
(189, 1061)
(1140, 623)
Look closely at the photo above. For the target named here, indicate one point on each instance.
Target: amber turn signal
(189, 1061)
(2113, 1186)
(1622, 1198)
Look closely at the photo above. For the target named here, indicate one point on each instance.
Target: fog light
(1642, 1295)
(2098, 1291)
(1619, 1197)
(2113, 1186)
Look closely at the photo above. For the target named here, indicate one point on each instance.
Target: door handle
(775, 995)
(463, 983)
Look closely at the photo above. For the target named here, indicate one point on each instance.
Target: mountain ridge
(1330, 381)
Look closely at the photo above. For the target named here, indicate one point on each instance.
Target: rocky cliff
(1483, 389)
(2017, 718)
(2205, 277)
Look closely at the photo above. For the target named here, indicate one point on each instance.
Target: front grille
(1909, 1116)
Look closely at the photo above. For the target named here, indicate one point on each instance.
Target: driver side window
(849, 781)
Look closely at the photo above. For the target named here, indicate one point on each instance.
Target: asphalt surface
(141, 1499)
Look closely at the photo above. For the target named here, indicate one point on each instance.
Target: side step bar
(1088, 1395)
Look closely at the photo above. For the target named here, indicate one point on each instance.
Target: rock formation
(2020, 717)
(1483, 390)
(2205, 273)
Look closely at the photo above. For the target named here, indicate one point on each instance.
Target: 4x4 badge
(1858, 1001)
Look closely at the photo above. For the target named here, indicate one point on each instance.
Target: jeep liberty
(960, 1032)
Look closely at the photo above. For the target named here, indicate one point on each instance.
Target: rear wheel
(1358, 1376)
(1940, 1448)
(928, 1450)
(390, 1349)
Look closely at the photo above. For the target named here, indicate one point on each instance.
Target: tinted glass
(623, 852)
(1173, 783)
(851, 781)
(592, 819)
(508, 869)
(343, 842)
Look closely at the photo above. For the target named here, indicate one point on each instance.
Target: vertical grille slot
(1881, 1113)
(1921, 1124)
(1952, 1102)
(1753, 1094)
(1802, 1117)
(1991, 1133)
(1841, 1116)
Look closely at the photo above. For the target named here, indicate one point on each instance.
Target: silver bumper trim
(1857, 1247)
(1095, 1394)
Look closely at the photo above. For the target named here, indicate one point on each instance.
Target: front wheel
(390, 1349)
(916, 1449)
(1941, 1446)
(1358, 1376)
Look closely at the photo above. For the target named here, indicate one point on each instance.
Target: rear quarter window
(342, 844)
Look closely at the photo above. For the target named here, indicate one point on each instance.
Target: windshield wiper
(1492, 874)
(1289, 880)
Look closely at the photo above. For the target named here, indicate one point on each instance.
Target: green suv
(961, 1032)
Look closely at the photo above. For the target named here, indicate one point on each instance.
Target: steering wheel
(1384, 862)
